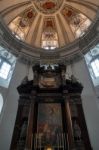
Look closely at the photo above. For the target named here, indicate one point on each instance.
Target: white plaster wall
(97, 90)
(89, 101)
(3, 92)
(10, 106)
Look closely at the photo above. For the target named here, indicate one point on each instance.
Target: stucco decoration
(56, 30)
(48, 6)
(78, 22)
(49, 35)
(22, 23)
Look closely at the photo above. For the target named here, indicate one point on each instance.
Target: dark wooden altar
(50, 114)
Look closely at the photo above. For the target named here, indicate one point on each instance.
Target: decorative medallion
(48, 6)
(68, 13)
(30, 14)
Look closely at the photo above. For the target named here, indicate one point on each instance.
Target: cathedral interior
(49, 75)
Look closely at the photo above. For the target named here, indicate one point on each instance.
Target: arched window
(95, 67)
(4, 68)
(7, 64)
(1, 103)
(49, 39)
(92, 61)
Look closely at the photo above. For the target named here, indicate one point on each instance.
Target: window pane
(4, 71)
(95, 67)
(1, 102)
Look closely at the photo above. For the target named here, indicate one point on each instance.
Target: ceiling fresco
(48, 6)
(22, 23)
(49, 25)
(49, 35)
(78, 22)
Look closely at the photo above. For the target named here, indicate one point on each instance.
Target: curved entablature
(58, 34)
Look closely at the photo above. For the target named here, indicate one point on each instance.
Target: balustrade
(44, 141)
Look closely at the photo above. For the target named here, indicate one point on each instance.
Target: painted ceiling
(48, 24)
(48, 6)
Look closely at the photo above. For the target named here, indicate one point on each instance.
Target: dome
(48, 28)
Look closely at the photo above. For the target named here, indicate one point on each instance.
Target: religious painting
(49, 123)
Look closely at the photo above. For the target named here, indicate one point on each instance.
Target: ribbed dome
(30, 20)
(48, 24)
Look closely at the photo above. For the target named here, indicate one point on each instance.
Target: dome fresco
(48, 6)
(50, 12)
(48, 24)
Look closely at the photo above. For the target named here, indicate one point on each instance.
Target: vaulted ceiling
(48, 24)
(45, 23)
